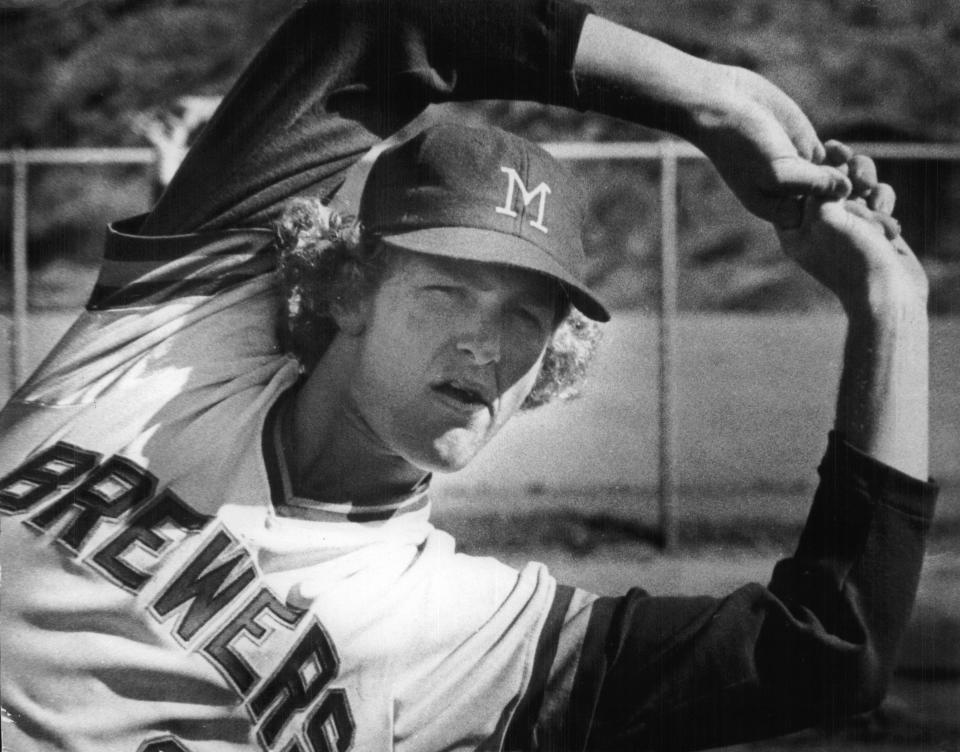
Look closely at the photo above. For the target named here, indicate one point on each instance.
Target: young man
(212, 545)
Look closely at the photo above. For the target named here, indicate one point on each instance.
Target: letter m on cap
(526, 196)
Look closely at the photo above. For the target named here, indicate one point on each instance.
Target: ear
(351, 316)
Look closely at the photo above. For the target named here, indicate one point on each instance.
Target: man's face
(449, 351)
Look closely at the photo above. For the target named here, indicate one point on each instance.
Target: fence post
(667, 343)
(18, 340)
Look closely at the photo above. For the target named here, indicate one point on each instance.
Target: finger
(890, 226)
(798, 177)
(837, 153)
(882, 199)
(786, 112)
(818, 154)
(802, 213)
(862, 174)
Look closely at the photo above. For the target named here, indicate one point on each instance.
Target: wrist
(889, 319)
(720, 106)
(889, 303)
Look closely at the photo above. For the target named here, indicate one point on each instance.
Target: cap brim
(492, 247)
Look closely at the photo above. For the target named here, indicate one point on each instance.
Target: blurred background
(753, 346)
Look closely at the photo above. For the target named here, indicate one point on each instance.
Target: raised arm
(882, 403)
(820, 641)
(816, 645)
(341, 74)
(758, 138)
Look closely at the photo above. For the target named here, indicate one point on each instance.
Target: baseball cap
(481, 194)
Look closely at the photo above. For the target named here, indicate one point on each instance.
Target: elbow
(852, 689)
(827, 689)
(870, 684)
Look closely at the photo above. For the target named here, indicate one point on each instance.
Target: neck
(331, 452)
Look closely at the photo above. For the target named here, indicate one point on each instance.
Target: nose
(482, 340)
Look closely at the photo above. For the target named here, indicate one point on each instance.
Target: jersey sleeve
(335, 78)
(338, 76)
(817, 644)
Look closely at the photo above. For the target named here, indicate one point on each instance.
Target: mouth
(464, 394)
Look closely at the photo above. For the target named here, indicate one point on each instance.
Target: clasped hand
(764, 147)
(853, 246)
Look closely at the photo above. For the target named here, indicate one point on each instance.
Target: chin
(448, 454)
(443, 462)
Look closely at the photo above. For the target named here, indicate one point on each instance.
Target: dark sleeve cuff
(858, 474)
(570, 17)
(569, 26)
(863, 506)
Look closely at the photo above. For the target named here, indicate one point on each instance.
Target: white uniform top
(155, 598)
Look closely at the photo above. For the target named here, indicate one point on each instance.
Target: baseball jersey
(165, 589)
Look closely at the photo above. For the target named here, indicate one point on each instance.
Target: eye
(441, 298)
(441, 292)
(533, 317)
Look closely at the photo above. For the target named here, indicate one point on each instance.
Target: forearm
(761, 143)
(882, 402)
(624, 73)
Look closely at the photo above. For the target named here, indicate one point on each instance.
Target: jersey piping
(145, 270)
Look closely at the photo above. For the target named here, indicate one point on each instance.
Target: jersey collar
(287, 504)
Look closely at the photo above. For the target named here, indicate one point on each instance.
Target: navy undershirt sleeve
(816, 645)
(338, 76)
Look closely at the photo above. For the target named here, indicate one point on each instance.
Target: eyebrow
(455, 272)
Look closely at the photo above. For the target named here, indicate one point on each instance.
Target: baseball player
(212, 542)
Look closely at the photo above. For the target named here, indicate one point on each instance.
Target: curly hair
(325, 259)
